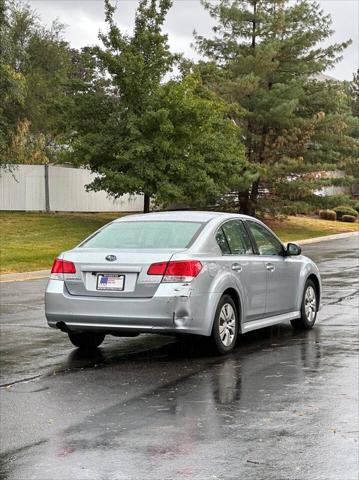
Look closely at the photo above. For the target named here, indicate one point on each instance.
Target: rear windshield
(143, 235)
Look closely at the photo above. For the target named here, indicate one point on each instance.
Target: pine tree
(352, 91)
(268, 57)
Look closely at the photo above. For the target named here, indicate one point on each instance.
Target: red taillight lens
(183, 268)
(176, 271)
(157, 268)
(63, 266)
(68, 267)
(57, 266)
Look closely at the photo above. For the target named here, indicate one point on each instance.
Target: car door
(281, 272)
(249, 268)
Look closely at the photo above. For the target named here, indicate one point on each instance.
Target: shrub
(348, 218)
(328, 214)
(295, 208)
(345, 210)
(332, 201)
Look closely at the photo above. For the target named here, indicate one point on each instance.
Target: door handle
(236, 267)
(270, 267)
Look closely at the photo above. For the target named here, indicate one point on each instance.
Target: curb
(326, 238)
(40, 274)
(22, 277)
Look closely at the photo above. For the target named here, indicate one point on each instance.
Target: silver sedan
(204, 273)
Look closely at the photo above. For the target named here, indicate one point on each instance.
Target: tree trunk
(244, 202)
(254, 25)
(254, 196)
(146, 203)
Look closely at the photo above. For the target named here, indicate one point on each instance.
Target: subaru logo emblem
(111, 258)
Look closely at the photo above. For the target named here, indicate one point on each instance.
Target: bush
(328, 214)
(345, 210)
(332, 201)
(348, 218)
(295, 208)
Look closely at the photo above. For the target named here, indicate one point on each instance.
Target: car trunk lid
(123, 274)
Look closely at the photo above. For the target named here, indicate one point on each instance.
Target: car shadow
(155, 348)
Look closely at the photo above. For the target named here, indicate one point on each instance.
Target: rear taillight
(157, 268)
(176, 271)
(61, 267)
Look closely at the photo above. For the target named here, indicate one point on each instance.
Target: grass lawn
(31, 241)
(300, 228)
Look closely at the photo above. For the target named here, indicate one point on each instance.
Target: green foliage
(344, 210)
(252, 119)
(353, 93)
(295, 208)
(12, 88)
(27, 148)
(328, 214)
(12, 95)
(352, 166)
(34, 67)
(267, 55)
(332, 201)
(349, 218)
(172, 141)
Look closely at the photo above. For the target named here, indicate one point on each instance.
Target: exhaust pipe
(63, 327)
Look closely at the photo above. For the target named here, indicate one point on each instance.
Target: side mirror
(293, 249)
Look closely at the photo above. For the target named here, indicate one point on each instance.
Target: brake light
(61, 267)
(157, 268)
(176, 271)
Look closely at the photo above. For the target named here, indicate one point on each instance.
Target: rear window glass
(143, 235)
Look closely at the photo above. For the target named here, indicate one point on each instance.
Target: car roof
(180, 215)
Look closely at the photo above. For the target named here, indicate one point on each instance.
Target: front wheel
(86, 340)
(309, 308)
(225, 326)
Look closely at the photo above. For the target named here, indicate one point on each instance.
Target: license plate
(110, 282)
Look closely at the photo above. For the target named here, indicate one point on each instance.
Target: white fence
(58, 189)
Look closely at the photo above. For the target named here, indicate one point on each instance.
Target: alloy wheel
(310, 304)
(227, 324)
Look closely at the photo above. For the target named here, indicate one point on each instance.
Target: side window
(237, 238)
(222, 242)
(267, 244)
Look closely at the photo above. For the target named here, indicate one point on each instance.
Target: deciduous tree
(171, 141)
(35, 64)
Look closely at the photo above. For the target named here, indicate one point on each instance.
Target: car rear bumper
(173, 309)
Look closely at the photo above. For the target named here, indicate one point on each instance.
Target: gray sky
(84, 18)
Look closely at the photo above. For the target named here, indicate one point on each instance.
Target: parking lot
(283, 405)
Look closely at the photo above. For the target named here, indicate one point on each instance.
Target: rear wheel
(309, 308)
(225, 326)
(86, 340)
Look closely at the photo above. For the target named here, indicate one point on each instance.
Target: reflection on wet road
(282, 406)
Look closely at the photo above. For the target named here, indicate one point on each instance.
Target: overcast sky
(84, 18)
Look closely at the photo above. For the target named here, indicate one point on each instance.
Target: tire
(86, 340)
(225, 326)
(309, 308)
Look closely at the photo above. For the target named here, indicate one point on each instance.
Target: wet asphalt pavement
(283, 405)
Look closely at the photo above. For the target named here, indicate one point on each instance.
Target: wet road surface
(283, 405)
